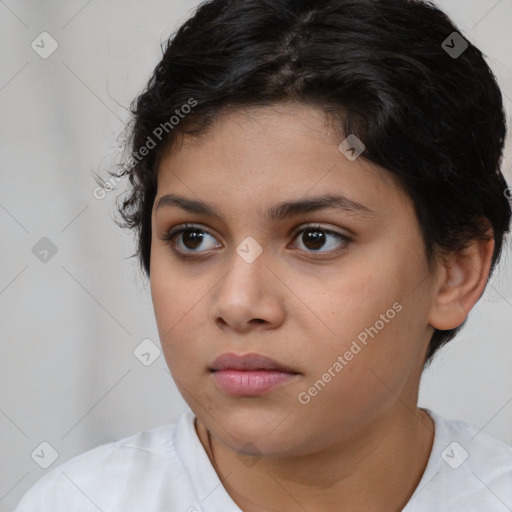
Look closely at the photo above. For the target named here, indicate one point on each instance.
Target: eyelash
(173, 233)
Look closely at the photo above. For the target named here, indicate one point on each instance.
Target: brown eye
(313, 239)
(192, 238)
(316, 238)
(187, 239)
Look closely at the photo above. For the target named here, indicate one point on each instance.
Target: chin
(253, 432)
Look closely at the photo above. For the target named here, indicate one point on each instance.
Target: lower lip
(250, 382)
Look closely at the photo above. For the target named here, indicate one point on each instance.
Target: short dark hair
(381, 68)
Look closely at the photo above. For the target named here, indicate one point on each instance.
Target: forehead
(269, 154)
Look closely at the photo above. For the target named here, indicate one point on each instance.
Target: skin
(303, 308)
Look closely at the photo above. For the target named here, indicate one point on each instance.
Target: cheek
(351, 381)
(168, 293)
(180, 308)
(173, 294)
(359, 305)
(375, 325)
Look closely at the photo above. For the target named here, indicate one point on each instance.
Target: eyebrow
(277, 212)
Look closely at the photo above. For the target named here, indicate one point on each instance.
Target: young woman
(318, 202)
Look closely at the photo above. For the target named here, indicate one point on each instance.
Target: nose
(249, 296)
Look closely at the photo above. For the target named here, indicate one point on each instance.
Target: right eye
(189, 238)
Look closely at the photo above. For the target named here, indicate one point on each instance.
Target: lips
(249, 362)
(250, 375)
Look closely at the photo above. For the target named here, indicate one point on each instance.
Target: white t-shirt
(167, 469)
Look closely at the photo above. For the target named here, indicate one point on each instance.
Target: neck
(387, 456)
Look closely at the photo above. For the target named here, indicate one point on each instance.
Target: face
(338, 295)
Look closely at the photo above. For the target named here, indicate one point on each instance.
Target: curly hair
(432, 118)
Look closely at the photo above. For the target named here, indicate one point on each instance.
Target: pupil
(192, 241)
(313, 237)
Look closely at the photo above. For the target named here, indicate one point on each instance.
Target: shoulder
(468, 469)
(108, 474)
(484, 454)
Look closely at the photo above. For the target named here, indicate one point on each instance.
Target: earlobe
(461, 282)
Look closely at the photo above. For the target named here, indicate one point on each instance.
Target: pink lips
(249, 374)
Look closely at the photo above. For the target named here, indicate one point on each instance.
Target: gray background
(69, 326)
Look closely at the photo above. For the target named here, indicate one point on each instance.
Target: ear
(461, 282)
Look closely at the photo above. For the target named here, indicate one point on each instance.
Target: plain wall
(69, 325)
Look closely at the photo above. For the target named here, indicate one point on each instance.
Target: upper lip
(248, 362)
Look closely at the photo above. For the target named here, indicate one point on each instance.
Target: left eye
(316, 237)
(313, 238)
